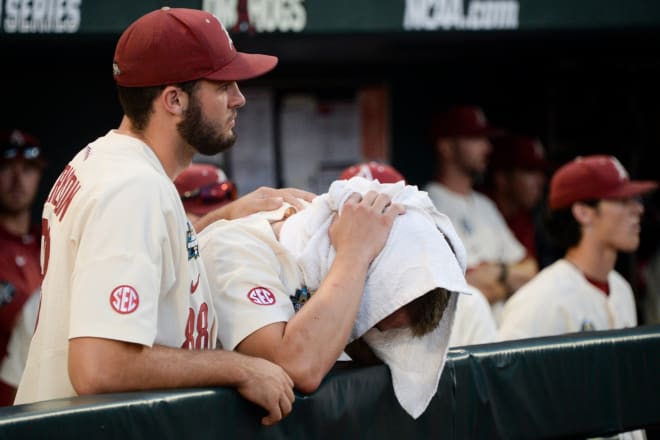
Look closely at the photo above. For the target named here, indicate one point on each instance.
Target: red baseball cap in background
(18, 144)
(593, 178)
(373, 171)
(174, 45)
(203, 188)
(463, 121)
(518, 152)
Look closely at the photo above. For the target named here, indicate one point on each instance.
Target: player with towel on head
(126, 304)
(474, 322)
(297, 287)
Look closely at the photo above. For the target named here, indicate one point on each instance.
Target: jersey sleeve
(17, 350)
(118, 274)
(244, 276)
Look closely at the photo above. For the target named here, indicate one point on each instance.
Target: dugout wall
(572, 386)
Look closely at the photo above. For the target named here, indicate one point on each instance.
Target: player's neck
(17, 224)
(505, 204)
(173, 154)
(593, 261)
(455, 180)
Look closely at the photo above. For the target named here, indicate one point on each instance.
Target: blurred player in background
(497, 263)
(204, 188)
(21, 166)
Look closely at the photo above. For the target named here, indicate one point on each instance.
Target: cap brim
(244, 66)
(634, 188)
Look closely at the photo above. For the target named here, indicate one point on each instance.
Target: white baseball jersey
(479, 224)
(121, 262)
(474, 322)
(561, 300)
(17, 349)
(251, 275)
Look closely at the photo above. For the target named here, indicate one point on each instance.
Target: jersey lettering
(45, 245)
(65, 188)
(200, 322)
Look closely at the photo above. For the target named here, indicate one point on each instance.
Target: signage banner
(33, 17)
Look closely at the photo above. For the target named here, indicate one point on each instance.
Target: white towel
(423, 252)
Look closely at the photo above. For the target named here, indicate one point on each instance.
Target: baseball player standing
(125, 300)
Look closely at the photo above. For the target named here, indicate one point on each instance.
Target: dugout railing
(572, 386)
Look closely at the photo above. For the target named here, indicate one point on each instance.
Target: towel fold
(422, 252)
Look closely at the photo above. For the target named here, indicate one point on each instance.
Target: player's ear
(174, 100)
(582, 212)
(443, 146)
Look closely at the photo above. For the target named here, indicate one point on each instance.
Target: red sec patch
(124, 299)
(261, 296)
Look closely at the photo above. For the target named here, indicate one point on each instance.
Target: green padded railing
(558, 387)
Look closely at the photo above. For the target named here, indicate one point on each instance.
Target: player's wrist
(503, 279)
(504, 273)
(355, 257)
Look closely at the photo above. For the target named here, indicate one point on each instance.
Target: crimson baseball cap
(518, 152)
(373, 171)
(463, 121)
(18, 144)
(203, 188)
(174, 45)
(593, 178)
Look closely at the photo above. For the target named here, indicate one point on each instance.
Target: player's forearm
(520, 273)
(486, 277)
(316, 336)
(218, 214)
(102, 366)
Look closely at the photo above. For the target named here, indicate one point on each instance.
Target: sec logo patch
(261, 296)
(124, 299)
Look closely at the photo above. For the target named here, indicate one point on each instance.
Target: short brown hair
(136, 102)
(427, 310)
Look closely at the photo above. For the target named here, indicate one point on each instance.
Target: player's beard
(13, 207)
(16, 200)
(473, 170)
(199, 133)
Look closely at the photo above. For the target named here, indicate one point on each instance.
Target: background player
(497, 262)
(593, 213)
(21, 166)
(204, 188)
